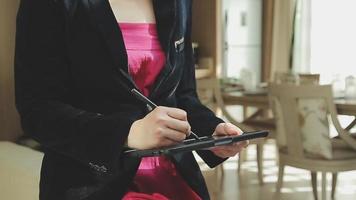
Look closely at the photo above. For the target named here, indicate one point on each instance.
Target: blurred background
(287, 66)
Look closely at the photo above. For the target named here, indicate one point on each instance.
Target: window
(329, 36)
(325, 42)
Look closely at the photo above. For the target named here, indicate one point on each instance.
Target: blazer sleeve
(42, 84)
(202, 120)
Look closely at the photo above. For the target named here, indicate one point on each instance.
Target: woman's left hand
(224, 129)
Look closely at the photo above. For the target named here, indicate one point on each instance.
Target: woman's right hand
(162, 127)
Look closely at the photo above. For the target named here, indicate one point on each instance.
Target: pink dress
(157, 177)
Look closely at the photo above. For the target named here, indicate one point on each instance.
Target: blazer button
(102, 169)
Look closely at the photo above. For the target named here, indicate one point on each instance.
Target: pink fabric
(142, 196)
(145, 55)
(157, 177)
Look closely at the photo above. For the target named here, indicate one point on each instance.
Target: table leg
(244, 112)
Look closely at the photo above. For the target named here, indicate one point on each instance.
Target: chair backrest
(284, 102)
(206, 89)
(209, 92)
(296, 79)
(309, 79)
(281, 77)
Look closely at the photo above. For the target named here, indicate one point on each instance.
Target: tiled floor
(245, 186)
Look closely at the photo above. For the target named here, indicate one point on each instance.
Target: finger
(231, 129)
(240, 145)
(227, 129)
(166, 143)
(220, 130)
(232, 151)
(174, 135)
(246, 143)
(177, 114)
(230, 148)
(178, 125)
(225, 153)
(234, 148)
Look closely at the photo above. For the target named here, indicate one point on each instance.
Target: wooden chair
(281, 77)
(309, 79)
(210, 94)
(284, 98)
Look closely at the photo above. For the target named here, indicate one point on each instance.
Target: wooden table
(344, 107)
(238, 98)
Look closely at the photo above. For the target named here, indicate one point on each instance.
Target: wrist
(134, 129)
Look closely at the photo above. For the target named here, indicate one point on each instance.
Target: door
(242, 31)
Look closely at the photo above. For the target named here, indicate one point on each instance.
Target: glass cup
(350, 87)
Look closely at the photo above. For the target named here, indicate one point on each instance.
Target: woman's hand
(224, 129)
(162, 127)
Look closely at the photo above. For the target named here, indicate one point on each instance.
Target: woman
(76, 62)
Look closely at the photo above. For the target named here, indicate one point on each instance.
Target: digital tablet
(195, 144)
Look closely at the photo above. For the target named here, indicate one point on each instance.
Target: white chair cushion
(314, 127)
(19, 172)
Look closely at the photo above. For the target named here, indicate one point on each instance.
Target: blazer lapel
(166, 14)
(104, 19)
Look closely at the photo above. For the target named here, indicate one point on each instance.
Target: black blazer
(72, 92)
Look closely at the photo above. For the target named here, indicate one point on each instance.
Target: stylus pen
(153, 105)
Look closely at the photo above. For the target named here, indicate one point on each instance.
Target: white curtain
(282, 36)
(333, 41)
(302, 37)
(325, 38)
